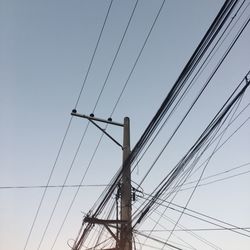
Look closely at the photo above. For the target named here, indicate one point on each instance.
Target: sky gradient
(45, 50)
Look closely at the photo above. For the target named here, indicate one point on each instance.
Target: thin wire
(54, 186)
(76, 193)
(196, 229)
(202, 173)
(131, 71)
(229, 225)
(157, 240)
(115, 57)
(104, 84)
(222, 144)
(157, 222)
(195, 58)
(139, 55)
(106, 185)
(93, 56)
(65, 135)
(45, 190)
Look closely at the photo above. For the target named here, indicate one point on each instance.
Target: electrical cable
(159, 241)
(138, 57)
(198, 96)
(101, 205)
(233, 93)
(104, 84)
(65, 135)
(196, 229)
(197, 74)
(53, 186)
(222, 15)
(199, 216)
(99, 96)
(237, 36)
(205, 135)
(202, 173)
(158, 224)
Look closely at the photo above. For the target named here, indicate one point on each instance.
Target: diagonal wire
(144, 44)
(67, 130)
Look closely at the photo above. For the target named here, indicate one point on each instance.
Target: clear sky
(45, 50)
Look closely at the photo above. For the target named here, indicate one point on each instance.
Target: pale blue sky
(45, 50)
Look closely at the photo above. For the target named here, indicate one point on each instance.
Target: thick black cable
(197, 74)
(213, 124)
(162, 214)
(176, 168)
(116, 180)
(154, 122)
(198, 96)
(144, 44)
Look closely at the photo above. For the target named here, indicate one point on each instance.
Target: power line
(68, 126)
(106, 185)
(199, 216)
(188, 69)
(203, 170)
(144, 44)
(180, 226)
(102, 89)
(53, 186)
(197, 229)
(157, 240)
(197, 74)
(213, 126)
(168, 101)
(198, 96)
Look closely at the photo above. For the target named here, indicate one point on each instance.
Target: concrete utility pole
(126, 208)
(124, 239)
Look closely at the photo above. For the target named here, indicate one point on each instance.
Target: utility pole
(126, 207)
(124, 231)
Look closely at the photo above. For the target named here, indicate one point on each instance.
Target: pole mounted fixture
(123, 236)
(92, 119)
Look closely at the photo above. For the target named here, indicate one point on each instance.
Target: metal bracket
(91, 118)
